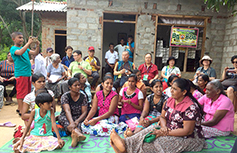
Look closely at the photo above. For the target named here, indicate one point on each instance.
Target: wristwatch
(83, 68)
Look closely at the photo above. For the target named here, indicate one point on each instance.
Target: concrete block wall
(51, 21)
(84, 29)
(214, 43)
(230, 41)
(144, 38)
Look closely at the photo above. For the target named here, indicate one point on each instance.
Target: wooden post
(135, 33)
(32, 18)
(185, 60)
(170, 50)
(154, 59)
(102, 37)
(204, 37)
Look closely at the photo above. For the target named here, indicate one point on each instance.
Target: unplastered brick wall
(84, 28)
(51, 21)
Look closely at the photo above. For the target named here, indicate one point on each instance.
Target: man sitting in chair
(95, 64)
(122, 69)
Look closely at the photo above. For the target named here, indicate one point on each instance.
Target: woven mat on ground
(94, 144)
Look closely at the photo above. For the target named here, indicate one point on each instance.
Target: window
(187, 59)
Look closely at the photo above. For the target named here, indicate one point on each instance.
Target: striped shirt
(6, 69)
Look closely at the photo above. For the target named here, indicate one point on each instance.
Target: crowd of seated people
(172, 111)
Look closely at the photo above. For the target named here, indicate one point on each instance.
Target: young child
(195, 90)
(38, 81)
(130, 47)
(171, 79)
(68, 58)
(22, 64)
(120, 48)
(41, 137)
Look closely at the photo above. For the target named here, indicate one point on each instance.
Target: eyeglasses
(234, 62)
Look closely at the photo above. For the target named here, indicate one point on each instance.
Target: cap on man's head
(91, 48)
(49, 49)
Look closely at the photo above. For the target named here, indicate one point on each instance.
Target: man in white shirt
(111, 57)
(120, 48)
(40, 64)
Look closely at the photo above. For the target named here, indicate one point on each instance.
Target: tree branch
(5, 25)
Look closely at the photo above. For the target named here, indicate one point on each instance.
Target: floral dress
(75, 106)
(104, 127)
(184, 111)
(154, 109)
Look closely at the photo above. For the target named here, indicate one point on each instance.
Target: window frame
(205, 20)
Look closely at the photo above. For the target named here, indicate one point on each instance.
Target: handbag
(150, 137)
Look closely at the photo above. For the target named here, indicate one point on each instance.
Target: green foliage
(215, 4)
(16, 21)
(4, 50)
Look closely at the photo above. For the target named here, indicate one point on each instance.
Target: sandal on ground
(7, 103)
(7, 124)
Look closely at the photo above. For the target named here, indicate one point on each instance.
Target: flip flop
(7, 124)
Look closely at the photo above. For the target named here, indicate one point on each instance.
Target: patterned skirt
(104, 127)
(164, 144)
(209, 132)
(39, 143)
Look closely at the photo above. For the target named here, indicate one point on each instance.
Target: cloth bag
(132, 123)
(150, 137)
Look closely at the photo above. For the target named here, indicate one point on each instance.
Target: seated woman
(55, 76)
(38, 81)
(229, 77)
(169, 70)
(7, 77)
(140, 85)
(171, 79)
(202, 82)
(106, 100)
(152, 108)
(131, 100)
(74, 110)
(180, 123)
(219, 110)
(100, 87)
(85, 88)
(205, 69)
(195, 90)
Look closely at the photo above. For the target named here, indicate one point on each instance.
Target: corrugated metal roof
(44, 7)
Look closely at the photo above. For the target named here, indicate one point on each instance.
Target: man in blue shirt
(68, 58)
